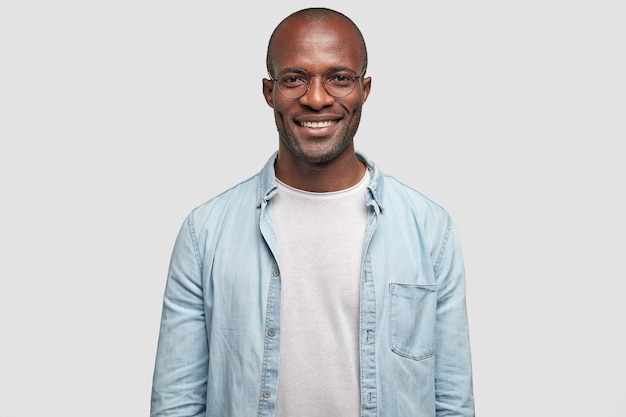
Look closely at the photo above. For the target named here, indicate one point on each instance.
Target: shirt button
(271, 332)
(266, 394)
(276, 272)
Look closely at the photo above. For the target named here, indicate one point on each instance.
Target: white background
(118, 117)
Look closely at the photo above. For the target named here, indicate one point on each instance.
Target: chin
(318, 155)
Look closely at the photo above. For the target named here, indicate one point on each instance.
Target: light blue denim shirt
(219, 341)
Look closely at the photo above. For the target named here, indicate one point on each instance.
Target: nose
(316, 96)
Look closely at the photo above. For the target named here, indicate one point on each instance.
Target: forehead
(317, 46)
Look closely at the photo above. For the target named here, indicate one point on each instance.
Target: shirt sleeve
(453, 369)
(180, 376)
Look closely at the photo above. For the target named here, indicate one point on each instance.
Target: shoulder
(240, 197)
(398, 195)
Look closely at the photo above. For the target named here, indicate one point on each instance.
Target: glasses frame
(309, 76)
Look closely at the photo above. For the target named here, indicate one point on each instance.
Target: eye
(341, 79)
(292, 80)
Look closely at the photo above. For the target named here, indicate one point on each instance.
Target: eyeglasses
(338, 82)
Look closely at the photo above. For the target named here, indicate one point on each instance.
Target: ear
(268, 92)
(367, 85)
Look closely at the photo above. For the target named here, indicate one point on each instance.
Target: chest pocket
(413, 312)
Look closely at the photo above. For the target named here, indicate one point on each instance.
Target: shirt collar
(268, 185)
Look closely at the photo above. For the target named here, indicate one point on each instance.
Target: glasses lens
(293, 84)
(339, 83)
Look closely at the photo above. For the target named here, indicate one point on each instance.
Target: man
(320, 286)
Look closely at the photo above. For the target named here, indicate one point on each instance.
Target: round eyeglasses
(338, 82)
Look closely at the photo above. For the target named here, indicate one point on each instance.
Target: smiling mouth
(317, 125)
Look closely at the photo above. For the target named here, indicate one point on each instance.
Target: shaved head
(312, 16)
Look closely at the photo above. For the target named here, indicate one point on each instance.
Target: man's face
(317, 127)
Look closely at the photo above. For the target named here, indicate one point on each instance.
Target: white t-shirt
(320, 251)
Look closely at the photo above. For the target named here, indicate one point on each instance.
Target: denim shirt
(219, 342)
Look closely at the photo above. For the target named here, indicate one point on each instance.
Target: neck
(339, 174)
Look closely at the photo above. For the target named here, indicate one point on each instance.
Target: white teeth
(317, 125)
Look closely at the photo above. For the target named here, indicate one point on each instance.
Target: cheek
(355, 103)
(280, 119)
(354, 107)
(280, 107)
(281, 111)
